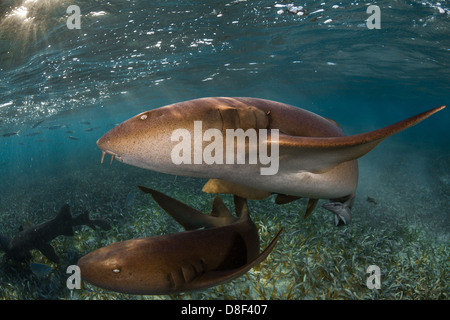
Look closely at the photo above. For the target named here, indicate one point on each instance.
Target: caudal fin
(318, 154)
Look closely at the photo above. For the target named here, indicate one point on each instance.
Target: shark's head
(116, 267)
(142, 140)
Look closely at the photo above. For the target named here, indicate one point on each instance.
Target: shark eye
(143, 117)
(116, 270)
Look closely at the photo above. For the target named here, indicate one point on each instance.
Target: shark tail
(320, 154)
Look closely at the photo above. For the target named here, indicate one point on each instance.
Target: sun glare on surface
(20, 12)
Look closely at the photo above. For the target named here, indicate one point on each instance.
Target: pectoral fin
(323, 153)
(310, 206)
(214, 278)
(223, 186)
(187, 216)
(48, 251)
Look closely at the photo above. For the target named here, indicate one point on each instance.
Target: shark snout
(86, 265)
(106, 146)
(97, 268)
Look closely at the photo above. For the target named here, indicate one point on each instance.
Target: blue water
(131, 56)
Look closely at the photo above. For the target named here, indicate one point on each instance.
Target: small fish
(40, 270)
(9, 134)
(37, 123)
(85, 122)
(6, 104)
(90, 129)
(371, 200)
(72, 138)
(57, 126)
(70, 132)
(33, 133)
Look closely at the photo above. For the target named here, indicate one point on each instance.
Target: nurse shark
(225, 249)
(315, 160)
(39, 237)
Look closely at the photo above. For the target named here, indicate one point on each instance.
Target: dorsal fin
(27, 225)
(310, 206)
(64, 213)
(333, 122)
(219, 210)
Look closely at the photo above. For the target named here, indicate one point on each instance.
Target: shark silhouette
(39, 236)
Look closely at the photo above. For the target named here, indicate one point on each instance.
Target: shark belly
(338, 182)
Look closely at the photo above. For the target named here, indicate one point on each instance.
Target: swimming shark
(39, 236)
(316, 159)
(225, 249)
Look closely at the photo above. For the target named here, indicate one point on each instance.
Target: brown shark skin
(178, 262)
(317, 160)
(168, 264)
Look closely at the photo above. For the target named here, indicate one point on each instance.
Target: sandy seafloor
(131, 56)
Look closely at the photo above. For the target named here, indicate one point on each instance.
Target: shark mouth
(112, 156)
